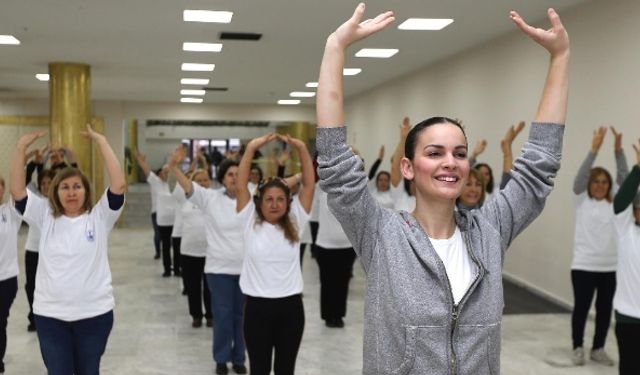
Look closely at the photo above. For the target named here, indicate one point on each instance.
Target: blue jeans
(227, 304)
(73, 347)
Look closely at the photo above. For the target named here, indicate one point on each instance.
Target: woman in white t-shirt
(193, 251)
(593, 269)
(74, 302)
(403, 191)
(223, 263)
(271, 278)
(9, 225)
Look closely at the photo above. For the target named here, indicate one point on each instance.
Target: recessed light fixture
(351, 71)
(288, 102)
(192, 92)
(425, 23)
(9, 39)
(302, 94)
(191, 100)
(42, 76)
(191, 67)
(202, 47)
(312, 84)
(194, 81)
(380, 53)
(190, 15)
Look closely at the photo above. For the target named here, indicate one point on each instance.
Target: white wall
(497, 84)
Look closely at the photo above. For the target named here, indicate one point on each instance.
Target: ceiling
(134, 47)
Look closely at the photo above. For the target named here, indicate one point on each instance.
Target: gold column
(131, 164)
(97, 164)
(70, 109)
(298, 130)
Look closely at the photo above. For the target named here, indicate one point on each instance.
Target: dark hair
(2, 182)
(45, 173)
(595, 172)
(224, 167)
(489, 188)
(54, 199)
(257, 168)
(289, 228)
(410, 143)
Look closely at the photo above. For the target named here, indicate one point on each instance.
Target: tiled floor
(152, 332)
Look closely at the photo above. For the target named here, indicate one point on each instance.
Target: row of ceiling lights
(209, 16)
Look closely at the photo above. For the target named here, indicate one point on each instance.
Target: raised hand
(177, 156)
(479, 148)
(258, 142)
(555, 39)
(355, 29)
(405, 128)
(295, 142)
(284, 156)
(617, 143)
(510, 135)
(637, 150)
(381, 153)
(27, 139)
(90, 134)
(598, 137)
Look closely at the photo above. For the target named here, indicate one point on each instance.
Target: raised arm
(629, 188)
(243, 195)
(17, 175)
(175, 159)
(307, 174)
(376, 164)
(398, 153)
(142, 162)
(622, 169)
(478, 149)
(553, 103)
(117, 182)
(330, 96)
(582, 177)
(506, 143)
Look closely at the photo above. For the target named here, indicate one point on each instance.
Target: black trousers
(165, 245)
(628, 337)
(273, 328)
(336, 266)
(585, 284)
(156, 233)
(31, 267)
(195, 285)
(8, 291)
(175, 244)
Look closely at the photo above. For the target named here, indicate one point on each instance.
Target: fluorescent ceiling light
(42, 77)
(8, 39)
(288, 102)
(202, 47)
(312, 84)
(380, 53)
(192, 92)
(351, 71)
(207, 16)
(191, 67)
(190, 100)
(302, 94)
(425, 23)
(194, 81)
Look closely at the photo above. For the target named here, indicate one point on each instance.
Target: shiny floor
(152, 332)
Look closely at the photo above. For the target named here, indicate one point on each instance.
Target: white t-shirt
(224, 230)
(165, 202)
(73, 280)
(627, 298)
(330, 233)
(457, 262)
(33, 235)
(180, 198)
(401, 200)
(271, 267)
(10, 220)
(594, 243)
(194, 238)
(384, 198)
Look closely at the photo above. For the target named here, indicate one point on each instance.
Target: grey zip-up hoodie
(411, 323)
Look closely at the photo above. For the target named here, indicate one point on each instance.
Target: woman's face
(440, 166)
(254, 176)
(229, 179)
(202, 179)
(273, 204)
(71, 193)
(382, 182)
(599, 187)
(472, 192)
(486, 175)
(44, 186)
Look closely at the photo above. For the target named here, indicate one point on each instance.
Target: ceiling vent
(239, 36)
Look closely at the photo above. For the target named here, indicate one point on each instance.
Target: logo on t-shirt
(91, 236)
